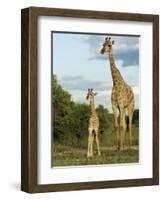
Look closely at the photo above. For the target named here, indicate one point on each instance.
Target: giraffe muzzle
(102, 51)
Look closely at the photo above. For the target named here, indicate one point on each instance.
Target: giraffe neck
(92, 106)
(116, 75)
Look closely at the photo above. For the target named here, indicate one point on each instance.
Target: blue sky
(79, 65)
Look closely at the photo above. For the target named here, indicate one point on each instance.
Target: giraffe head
(91, 94)
(107, 46)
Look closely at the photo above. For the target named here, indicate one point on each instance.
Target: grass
(75, 156)
(66, 155)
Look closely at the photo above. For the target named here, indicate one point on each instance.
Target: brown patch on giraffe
(128, 96)
(126, 90)
(120, 88)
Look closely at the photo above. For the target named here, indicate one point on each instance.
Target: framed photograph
(90, 99)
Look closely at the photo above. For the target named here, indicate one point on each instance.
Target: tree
(61, 109)
(104, 118)
(71, 119)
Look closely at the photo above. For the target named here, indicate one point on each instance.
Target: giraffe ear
(113, 42)
(95, 93)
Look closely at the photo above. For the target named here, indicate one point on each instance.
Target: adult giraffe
(122, 97)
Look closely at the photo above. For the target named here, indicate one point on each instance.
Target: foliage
(103, 115)
(70, 120)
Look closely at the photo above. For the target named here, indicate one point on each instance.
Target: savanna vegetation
(70, 133)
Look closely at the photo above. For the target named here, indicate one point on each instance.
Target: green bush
(70, 119)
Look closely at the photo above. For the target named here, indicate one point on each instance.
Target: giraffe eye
(108, 45)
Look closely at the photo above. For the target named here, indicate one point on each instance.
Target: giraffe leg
(116, 126)
(89, 143)
(97, 142)
(122, 127)
(91, 146)
(130, 115)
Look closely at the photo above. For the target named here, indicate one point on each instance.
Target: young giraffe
(93, 125)
(122, 97)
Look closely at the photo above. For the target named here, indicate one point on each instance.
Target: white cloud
(103, 97)
(81, 83)
(126, 49)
